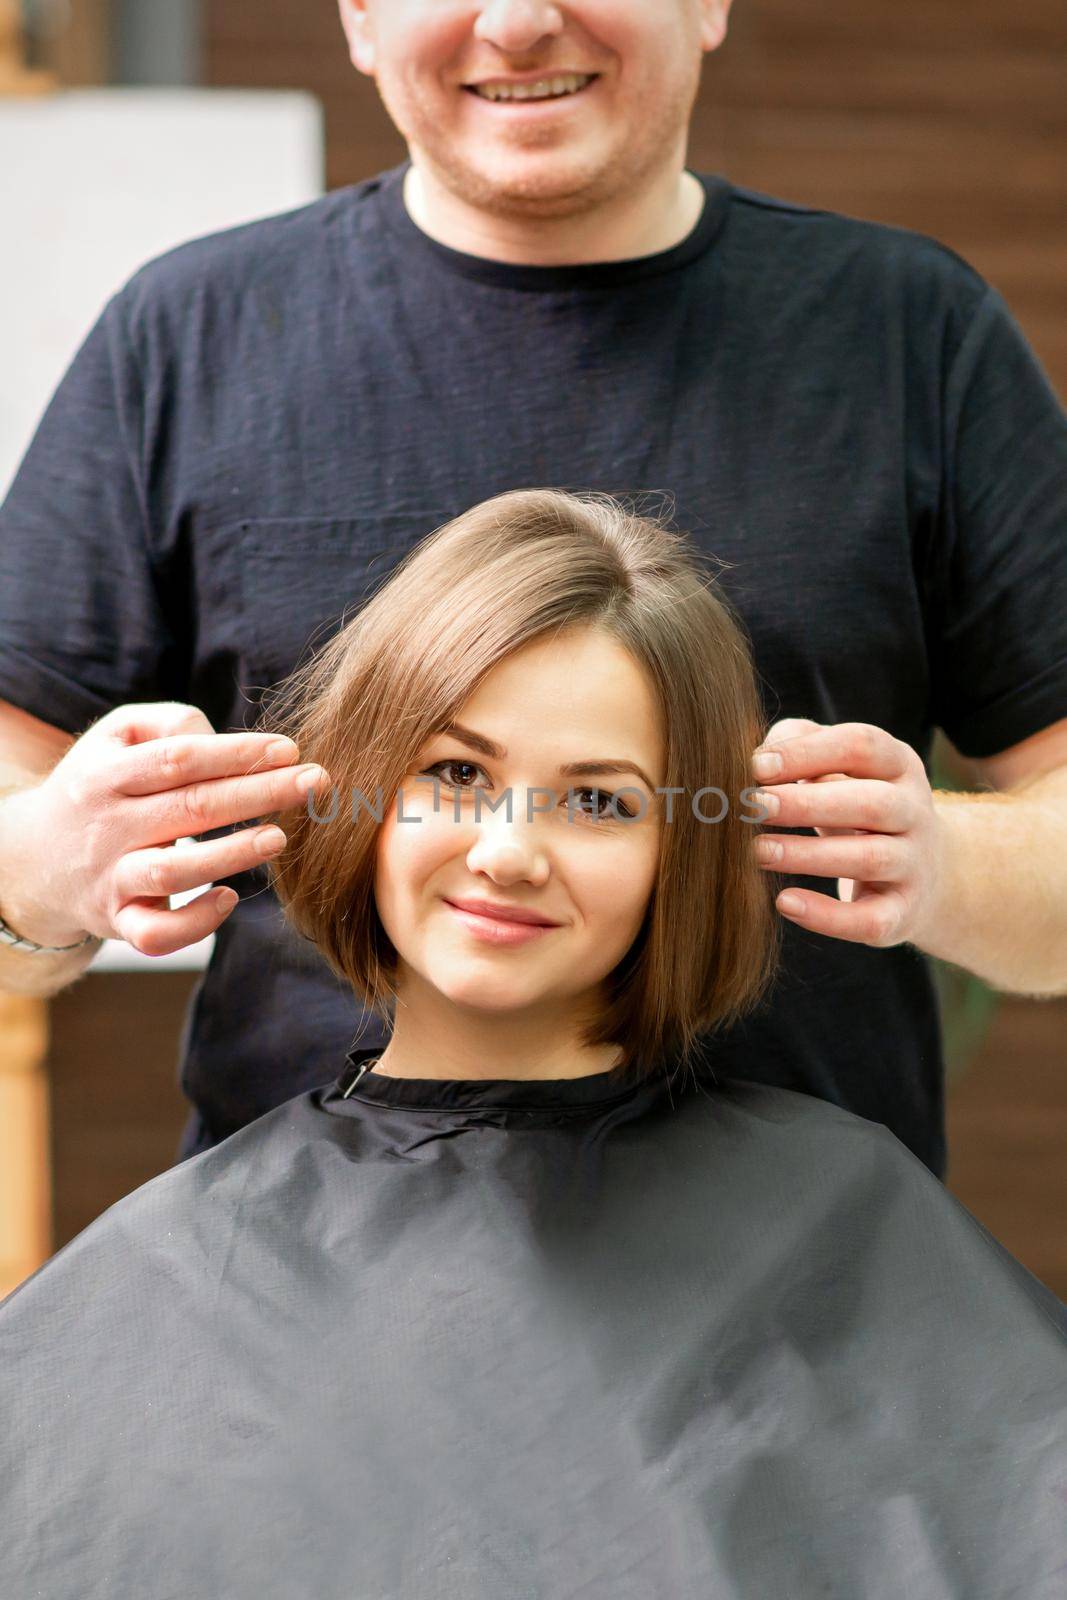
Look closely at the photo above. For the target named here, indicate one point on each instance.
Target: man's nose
(517, 25)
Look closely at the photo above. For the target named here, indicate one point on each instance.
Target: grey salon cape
(563, 1340)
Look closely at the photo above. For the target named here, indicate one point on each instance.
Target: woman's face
(531, 732)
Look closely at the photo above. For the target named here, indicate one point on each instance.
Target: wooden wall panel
(75, 42)
(1007, 1135)
(117, 1111)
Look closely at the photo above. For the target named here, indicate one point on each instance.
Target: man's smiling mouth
(558, 86)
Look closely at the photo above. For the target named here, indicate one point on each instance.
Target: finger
(863, 803)
(821, 830)
(858, 748)
(132, 724)
(162, 871)
(220, 802)
(181, 759)
(151, 927)
(868, 857)
(874, 920)
(789, 728)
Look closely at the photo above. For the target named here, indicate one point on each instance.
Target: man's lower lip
(526, 105)
(495, 930)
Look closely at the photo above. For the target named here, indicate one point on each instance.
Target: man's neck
(656, 221)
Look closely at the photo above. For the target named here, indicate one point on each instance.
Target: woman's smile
(498, 930)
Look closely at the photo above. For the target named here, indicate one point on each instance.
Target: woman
(527, 1306)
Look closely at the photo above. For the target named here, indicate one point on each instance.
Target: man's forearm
(1002, 909)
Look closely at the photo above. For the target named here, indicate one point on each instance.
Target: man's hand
(90, 849)
(868, 798)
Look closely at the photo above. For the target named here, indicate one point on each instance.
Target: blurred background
(944, 116)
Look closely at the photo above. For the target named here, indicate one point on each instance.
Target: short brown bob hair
(511, 569)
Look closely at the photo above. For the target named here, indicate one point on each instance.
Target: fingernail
(308, 780)
(766, 765)
(226, 899)
(281, 750)
(770, 802)
(269, 839)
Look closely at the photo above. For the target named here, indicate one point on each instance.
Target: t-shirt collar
(582, 275)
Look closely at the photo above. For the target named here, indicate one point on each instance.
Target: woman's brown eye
(445, 767)
(604, 799)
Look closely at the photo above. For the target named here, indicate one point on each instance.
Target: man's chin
(540, 183)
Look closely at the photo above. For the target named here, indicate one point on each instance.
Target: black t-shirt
(433, 1339)
(263, 422)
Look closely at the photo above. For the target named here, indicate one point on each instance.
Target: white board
(94, 183)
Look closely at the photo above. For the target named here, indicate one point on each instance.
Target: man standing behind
(263, 422)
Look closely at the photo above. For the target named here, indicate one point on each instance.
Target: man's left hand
(868, 798)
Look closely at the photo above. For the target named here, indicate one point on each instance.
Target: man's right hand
(90, 848)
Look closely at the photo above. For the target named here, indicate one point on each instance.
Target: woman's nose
(509, 847)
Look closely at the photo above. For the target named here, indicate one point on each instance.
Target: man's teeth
(541, 90)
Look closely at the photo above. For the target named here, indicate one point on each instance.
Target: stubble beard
(570, 187)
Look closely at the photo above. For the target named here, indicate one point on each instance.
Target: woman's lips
(494, 930)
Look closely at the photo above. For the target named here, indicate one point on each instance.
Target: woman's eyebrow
(603, 767)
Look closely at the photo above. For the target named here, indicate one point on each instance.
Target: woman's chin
(490, 1005)
(473, 992)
